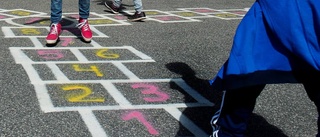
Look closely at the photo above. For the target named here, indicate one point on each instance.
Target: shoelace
(54, 29)
(83, 24)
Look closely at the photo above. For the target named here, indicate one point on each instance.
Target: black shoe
(111, 7)
(137, 16)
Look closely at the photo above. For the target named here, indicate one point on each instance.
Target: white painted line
(192, 92)
(13, 23)
(123, 107)
(43, 98)
(94, 13)
(92, 123)
(19, 56)
(36, 42)
(98, 47)
(138, 53)
(112, 81)
(125, 71)
(58, 73)
(32, 73)
(7, 32)
(79, 55)
(98, 32)
(95, 44)
(86, 62)
(116, 94)
(186, 122)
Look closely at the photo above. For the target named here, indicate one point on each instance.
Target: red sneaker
(85, 29)
(55, 31)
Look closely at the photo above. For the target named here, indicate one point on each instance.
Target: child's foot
(137, 16)
(85, 30)
(55, 31)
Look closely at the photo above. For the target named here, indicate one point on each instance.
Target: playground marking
(94, 80)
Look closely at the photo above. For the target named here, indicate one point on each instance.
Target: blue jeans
(137, 4)
(56, 10)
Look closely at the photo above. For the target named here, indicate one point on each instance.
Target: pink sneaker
(55, 31)
(85, 29)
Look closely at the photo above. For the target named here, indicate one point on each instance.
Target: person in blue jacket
(276, 42)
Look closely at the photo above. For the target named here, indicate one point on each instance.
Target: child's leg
(313, 90)
(236, 108)
(84, 9)
(117, 3)
(56, 11)
(138, 5)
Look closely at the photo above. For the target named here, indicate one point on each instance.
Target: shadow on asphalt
(201, 116)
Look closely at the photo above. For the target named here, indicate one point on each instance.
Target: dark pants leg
(311, 84)
(236, 110)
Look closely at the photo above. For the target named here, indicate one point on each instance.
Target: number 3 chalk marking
(151, 89)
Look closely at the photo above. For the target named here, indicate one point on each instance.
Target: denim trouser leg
(84, 9)
(137, 5)
(56, 11)
(117, 3)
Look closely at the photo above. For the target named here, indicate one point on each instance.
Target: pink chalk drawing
(2, 17)
(120, 17)
(139, 116)
(32, 20)
(151, 89)
(50, 54)
(66, 41)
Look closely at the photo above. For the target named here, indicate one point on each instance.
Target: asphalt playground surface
(140, 79)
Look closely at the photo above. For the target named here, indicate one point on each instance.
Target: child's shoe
(55, 31)
(85, 29)
(137, 16)
(112, 7)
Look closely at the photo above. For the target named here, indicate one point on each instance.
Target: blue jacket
(273, 40)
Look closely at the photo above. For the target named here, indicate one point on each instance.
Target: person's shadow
(201, 116)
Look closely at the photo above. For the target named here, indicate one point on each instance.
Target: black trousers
(238, 105)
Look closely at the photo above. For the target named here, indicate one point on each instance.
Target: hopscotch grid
(77, 13)
(120, 22)
(186, 19)
(122, 101)
(9, 33)
(59, 75)
(211, 14)
(16, 16)
(78, 54)
(166, 13)
(76, 51)
(123, 107)
(84, 62)
(125, 71)
(86, 113)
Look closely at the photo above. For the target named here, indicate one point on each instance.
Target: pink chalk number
(139, 116)
(32, 20)
(50, 54)
(66, 41)
(151, 90)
